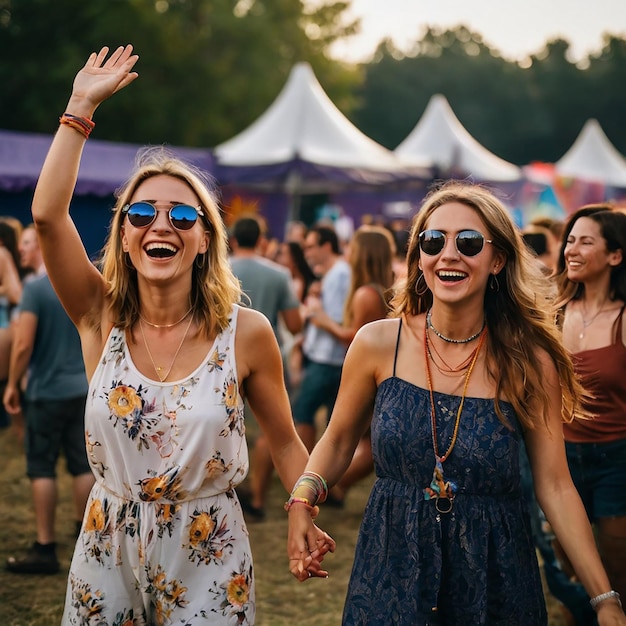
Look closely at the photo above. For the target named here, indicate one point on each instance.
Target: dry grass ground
(38, 600)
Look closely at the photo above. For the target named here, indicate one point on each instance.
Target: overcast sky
(515, 28)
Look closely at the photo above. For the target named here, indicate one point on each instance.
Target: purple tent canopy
(104, 167)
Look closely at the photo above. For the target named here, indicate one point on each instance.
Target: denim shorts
(53, 426)
(599, 473)
(319, 388)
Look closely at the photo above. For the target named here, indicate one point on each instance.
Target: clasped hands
(307, 545)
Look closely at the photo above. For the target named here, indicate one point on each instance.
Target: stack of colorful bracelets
(82, 124)
(310, 489)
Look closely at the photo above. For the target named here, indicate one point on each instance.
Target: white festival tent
(303, 144)
(441, 139)
(592, 157)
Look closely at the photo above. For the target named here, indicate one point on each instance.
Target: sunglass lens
(183, 216)
(469, 242)
(432, 242)
(141, 214)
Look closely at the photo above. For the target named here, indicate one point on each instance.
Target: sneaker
(38, 560)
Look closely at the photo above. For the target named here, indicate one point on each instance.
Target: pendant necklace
(587, 323)
(158, 369)
(141, 317)
(440, 490)
(441, 336)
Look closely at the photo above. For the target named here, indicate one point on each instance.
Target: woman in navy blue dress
(470, 369)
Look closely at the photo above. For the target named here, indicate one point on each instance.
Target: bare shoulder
(253, 327)
(375, 343)
(379, 332)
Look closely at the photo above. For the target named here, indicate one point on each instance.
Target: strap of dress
(395, 356)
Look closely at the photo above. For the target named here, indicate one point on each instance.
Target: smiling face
(586, 255)
(450, 275)
(160, 251)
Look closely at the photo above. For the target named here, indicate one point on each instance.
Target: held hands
(307, 544)
(100, 77)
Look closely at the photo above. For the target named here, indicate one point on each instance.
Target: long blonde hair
(214, 288)
(519, 308)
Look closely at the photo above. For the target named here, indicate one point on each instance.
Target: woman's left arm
(558, 498)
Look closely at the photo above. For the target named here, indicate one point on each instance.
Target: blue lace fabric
(474, 565)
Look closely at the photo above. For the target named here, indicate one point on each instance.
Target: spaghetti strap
(395, 356)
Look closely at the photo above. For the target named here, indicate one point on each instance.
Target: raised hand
(100, 77)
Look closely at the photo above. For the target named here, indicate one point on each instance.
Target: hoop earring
(423, 290)
(494, 284)
(201, 262)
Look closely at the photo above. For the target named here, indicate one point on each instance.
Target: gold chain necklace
(141, 317)
(158, 370)
(587, 323)
(440, 489)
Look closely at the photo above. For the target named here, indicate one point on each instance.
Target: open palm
(100, 77)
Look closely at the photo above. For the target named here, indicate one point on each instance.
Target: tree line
(209, 68)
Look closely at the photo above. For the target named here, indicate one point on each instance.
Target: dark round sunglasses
(181, 216)
(467, 242)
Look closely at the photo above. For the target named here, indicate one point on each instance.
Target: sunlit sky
(516, 28)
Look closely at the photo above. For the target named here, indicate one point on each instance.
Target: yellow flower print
(201, 528)
(230, 395)
(123, 401)
(95, 519)
(238, 590)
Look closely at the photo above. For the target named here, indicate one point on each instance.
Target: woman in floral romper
(170, 357)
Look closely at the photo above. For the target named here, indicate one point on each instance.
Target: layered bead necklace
(440, 490)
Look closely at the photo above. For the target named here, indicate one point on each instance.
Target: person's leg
(611, 535)
(263, 472)
(45, 502)
(81, 487)
(42, 449)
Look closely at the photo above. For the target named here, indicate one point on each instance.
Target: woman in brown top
(592, 289)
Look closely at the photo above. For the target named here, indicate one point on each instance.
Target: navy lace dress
(417, 567)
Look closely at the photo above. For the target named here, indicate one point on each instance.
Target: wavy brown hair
(519, 312)
(214, 288)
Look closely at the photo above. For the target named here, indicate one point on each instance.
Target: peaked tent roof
(303, 135)
(104, 167)
(593, 157)
(440, 138)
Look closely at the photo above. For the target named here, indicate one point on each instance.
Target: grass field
(281, 601)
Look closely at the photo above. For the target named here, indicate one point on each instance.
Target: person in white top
(170, 358)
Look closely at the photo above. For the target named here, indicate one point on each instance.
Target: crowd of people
(476, 368)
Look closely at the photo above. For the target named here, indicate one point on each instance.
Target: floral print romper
(163, 538)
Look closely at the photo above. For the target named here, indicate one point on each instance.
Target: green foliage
(521, 114)
(209, 68)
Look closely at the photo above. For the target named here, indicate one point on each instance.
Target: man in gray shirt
(268, 287)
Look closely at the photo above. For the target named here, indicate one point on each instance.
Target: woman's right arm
(76, 280)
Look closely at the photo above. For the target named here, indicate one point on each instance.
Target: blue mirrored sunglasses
(181, 216)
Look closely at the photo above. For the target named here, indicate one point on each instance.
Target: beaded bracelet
(605, 596)
(82, 124)
(293, 501)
